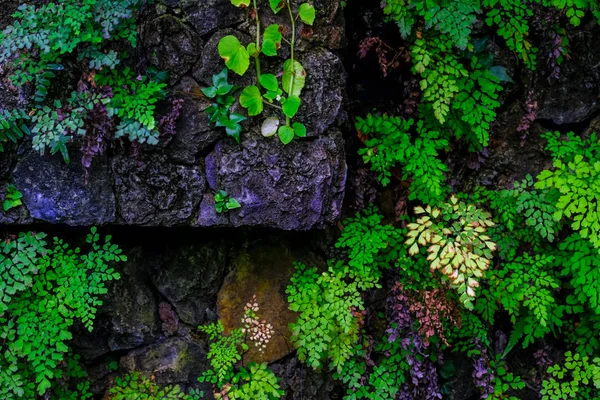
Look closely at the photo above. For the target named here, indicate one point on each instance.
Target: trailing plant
(219, 113)
(458, 246)
(44, 290)
(12, 198)
(577, 378)
(229, 379)
(225, 203)
(38, 47)
(267, 90)
(137, 386)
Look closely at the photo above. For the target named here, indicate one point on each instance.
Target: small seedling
(224, 203)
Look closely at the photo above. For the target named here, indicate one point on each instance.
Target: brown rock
(265, 271)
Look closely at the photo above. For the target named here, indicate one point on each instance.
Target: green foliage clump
(137, 386)
(133, 102)
(225, 352)
(456, 240)
(44, 290)
(253, 381)
(267, 90)
(576, 180)
(222, 93)
(327, 326)
(576, 379)
(390, 144)
(524, 288)
(385, 378)
(224, 202)
(12, 198)
(370, 246)
(581, 264)
(38, 46)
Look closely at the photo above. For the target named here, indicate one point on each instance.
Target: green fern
(47, 290)
(390, 144)
(576, 180)
(327, 327)
(576, 379)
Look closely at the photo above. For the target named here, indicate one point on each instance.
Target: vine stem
(293, 21)
(256, 59)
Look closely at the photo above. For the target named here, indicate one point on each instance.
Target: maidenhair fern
(390, 143)
(44, 290)
(327, 327)
(576, 180)
(457, 243)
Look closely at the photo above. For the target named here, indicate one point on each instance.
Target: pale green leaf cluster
(455, 236)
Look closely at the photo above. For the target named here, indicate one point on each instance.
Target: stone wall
(295, 187)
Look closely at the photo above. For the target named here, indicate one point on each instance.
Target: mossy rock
(264, 271)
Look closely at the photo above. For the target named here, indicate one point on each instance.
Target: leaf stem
(273, 105)
(293, 21)
(256, 58)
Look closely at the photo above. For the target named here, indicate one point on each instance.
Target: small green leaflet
(291, 105)
(240, 3)
(500, 73)
(307, 13)
(276, 5)
(299, 129)
(269, 82)
(293, 79)
(235, 55)
(272, 40)
(252, 100)
(251, 49)
(286, 134)
(232, 204)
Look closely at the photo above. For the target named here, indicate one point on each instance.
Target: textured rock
(56, 192)
(174, 360)
(152, 191)
(265, 271)
(194, 133)
(299, 186)
(301, 382)
(209, 15)
(132, 307)
(575, 97)
(296, 187)
(322, 95)
(171, 45)
(189, 277)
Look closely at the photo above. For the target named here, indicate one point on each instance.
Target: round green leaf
(240, 3)
(293, 78)
(251, 48)
(272, 40)
(269, 82)
(210, 91)
(291, 105)
(269, 126)
(307, 13)
(286, 134)
(276, 5)
(235, 55)
(299, 129)
(252, 100)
